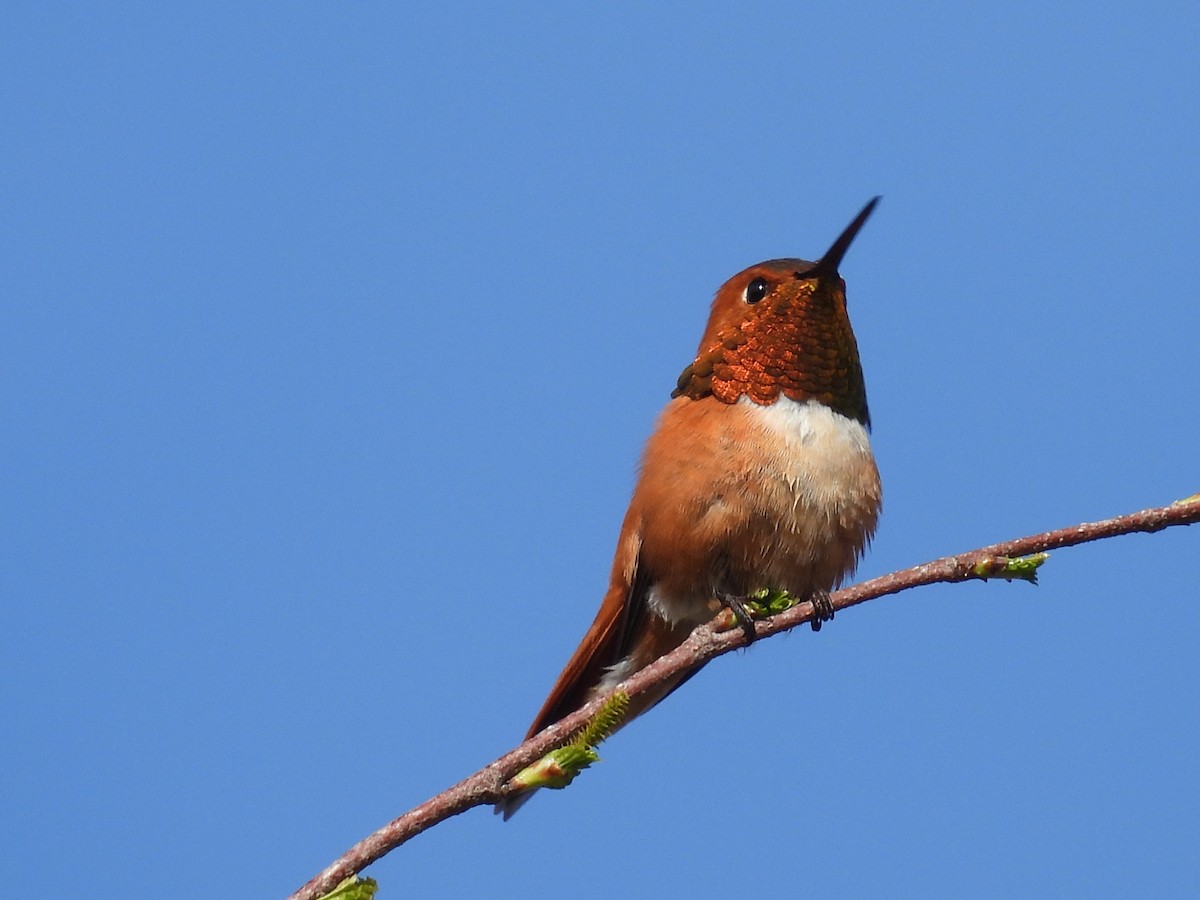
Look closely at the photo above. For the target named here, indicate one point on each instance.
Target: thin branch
(707, 642)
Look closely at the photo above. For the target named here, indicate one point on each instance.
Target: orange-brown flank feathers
(758, 475)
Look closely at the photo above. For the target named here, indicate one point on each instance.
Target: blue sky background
(330, 336)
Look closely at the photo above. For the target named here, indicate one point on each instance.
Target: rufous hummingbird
(759, 475)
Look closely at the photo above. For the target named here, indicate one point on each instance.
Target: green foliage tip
(1019, 568)
(765, 603)
(558, 768)
(606, 720)
(353, 888)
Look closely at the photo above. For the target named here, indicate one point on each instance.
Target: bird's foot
(822, 609)
(764, 604)
(744, 618)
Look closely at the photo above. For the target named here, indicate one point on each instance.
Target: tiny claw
(823, 610)
(737, 606)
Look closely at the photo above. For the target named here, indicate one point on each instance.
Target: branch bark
(707, 642)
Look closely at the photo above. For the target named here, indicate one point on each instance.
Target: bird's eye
(757, 289)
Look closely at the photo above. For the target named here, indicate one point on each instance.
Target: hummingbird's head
(781, 327)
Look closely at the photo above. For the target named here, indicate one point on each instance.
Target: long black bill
(829, 263)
